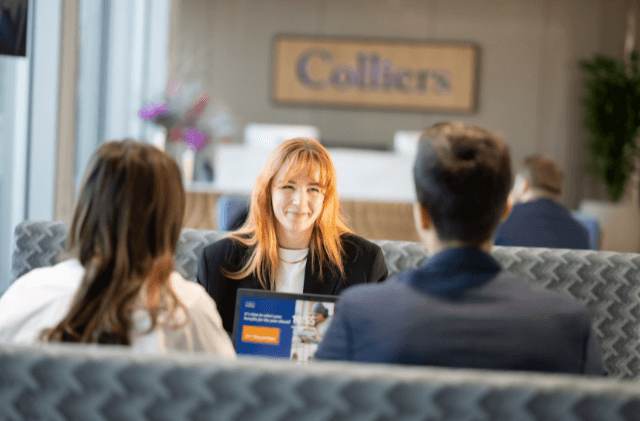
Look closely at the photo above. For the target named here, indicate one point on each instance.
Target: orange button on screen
(261, 335)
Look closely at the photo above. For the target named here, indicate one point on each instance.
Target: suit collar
(452, 272)
(540, 205)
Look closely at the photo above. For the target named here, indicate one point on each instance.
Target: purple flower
(196, 139)
(153, 111)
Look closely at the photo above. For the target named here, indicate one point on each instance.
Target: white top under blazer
(42, 297)
(291, 266)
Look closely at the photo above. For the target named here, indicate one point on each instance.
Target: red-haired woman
(293, 239)
(118, 287)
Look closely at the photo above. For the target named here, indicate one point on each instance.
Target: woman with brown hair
(293, 239)
(118, 286)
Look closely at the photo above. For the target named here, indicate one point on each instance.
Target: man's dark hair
(462, 176)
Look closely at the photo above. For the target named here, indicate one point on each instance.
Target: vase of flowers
(188, 136)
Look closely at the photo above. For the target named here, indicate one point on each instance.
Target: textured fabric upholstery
(190, 245)
(607, 282)
(79, 382)
(37, 244)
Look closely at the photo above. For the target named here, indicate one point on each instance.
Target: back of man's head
(542, 174)
(462, 177)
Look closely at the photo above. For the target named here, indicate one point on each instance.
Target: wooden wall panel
(381, 220)
(200, 211)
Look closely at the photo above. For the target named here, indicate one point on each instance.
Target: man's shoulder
(517, 217)
(535, 295)
(542, 208)
(372, 293)
(527, 209)
(542, 223)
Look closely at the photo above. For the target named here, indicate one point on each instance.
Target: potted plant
(612, 118)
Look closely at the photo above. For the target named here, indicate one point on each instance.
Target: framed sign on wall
(376, 74)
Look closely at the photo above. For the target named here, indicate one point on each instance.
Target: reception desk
(375, 188)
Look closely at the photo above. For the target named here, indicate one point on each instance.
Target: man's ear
(422, 217)
(507, 209)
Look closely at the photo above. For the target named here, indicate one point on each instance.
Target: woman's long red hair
(259, 231)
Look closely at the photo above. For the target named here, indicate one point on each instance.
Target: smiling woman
(297, 202)
(294, 238)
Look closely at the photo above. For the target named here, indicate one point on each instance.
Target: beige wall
(530, 82)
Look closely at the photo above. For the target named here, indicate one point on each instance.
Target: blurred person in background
(537, 218)
(117, 285)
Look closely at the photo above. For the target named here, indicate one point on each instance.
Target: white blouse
(42, 297)
(292, 263)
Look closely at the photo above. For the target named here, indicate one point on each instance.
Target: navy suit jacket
(363, 263)
(542, 223)
(462, 310)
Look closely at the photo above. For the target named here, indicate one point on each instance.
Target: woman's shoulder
(63, 277)
(203, 329)
(38, 300)
(194, 298)
(225, 248)
(353, 243)
(189, 293)
(186, 291)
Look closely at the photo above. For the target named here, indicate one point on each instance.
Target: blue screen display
(265, 327)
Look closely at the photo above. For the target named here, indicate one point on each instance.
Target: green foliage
(612, 118)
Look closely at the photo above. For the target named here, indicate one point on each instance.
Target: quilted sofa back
(607, 282)
(87, 382)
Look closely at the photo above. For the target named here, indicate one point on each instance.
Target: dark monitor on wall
(13, 27)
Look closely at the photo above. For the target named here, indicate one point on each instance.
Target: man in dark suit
(537, 218)
(461, 309)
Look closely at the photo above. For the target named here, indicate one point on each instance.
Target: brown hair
(125, 229)
(259, 232)
(462, 176)
(543, 173)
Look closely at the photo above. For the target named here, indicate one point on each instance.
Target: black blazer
(364, 263)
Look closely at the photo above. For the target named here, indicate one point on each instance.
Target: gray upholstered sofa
(72, 382)
(63, 381)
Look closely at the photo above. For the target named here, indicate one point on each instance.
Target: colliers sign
(409, 75)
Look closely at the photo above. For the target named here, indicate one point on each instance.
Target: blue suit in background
(462, 310)
(542, 223)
